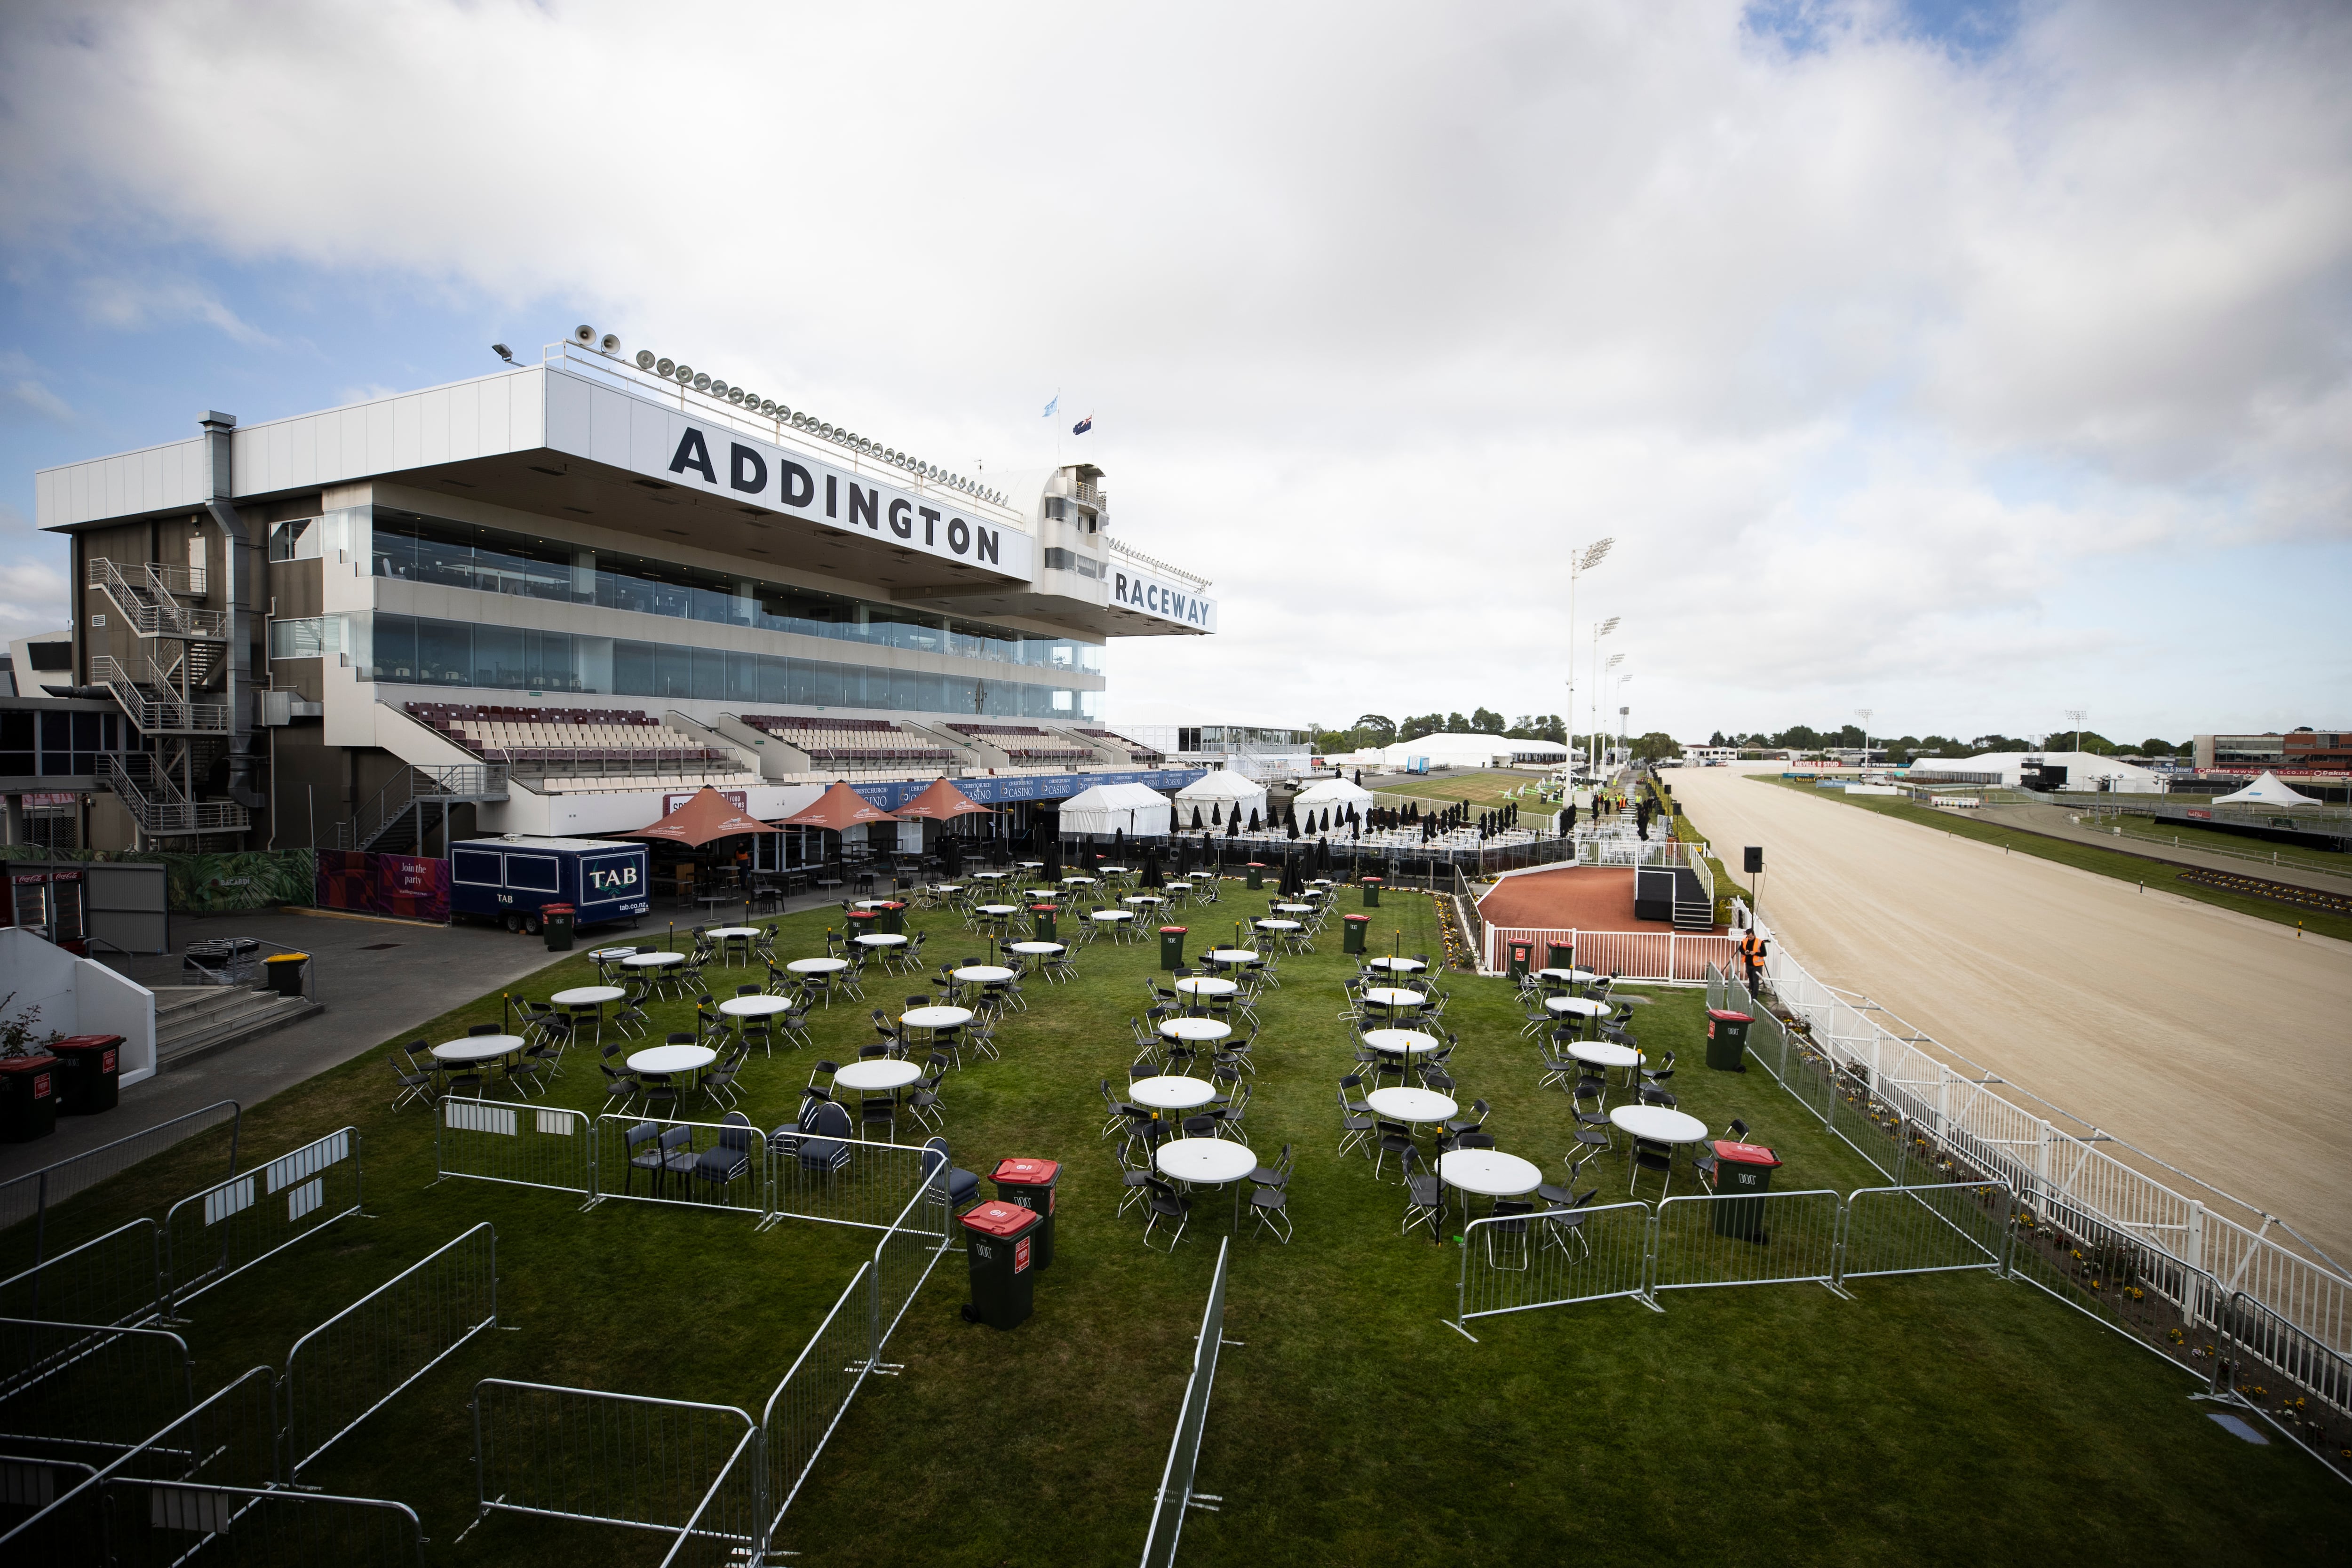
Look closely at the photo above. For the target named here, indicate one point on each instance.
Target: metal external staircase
(160, 806)
(393, 823)
(146, 595)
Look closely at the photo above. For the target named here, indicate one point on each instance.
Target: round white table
(1411, 1104)
(882, 939)
(587, 996)
(611, 955)
(1566, 976)
(1194, 1031)
(1205, 985)
(1077, 881)
(936, 1017)
(1396, 965)
(1034, 949)
(1113, 916)
(1241, 955)
(672, 1059)
(754, 1007)
(1489, 1172)
(1395, 996)
(879, 1074)
(984, 974)
(1180, 887)
(1277, 925)
(947, 886)
(1293, 909)
(1171, 1093)
(1658, 1125)
(733, 933)
(867, 904)
(1000, 911)
(990, 875)
(1601, 1054)
(1112, 871)
(1400, 1042)
(1577, 1006)
(651, 959)
(476, 1048)
(1144, 900)
(817, 965)
(1206, 1161)
(1030, 865)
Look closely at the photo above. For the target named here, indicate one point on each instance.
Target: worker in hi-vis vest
(1752, 953)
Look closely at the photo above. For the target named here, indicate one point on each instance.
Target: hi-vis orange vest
(1751, 949)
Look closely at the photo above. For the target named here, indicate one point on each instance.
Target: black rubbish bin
(1559, 955)
(1000, 1246)
(282, 971)
(90, 1074)
(894, 918)
(29, 1098)
(1743, 1174)
(1727, 1039)
(1522, 959)
(1171, 947)
(1256, 876)
(556, 920)
(1373, 892)
(1352, 929)
(1041, 921)
(1030, 1184)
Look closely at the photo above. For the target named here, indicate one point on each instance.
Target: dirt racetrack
(2220, 1043)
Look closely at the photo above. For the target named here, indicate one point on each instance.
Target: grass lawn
(2117, 863)
(1483, 791)
(1940, 1419)
(2160, 836)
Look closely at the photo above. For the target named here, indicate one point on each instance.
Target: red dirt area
(1583, 897)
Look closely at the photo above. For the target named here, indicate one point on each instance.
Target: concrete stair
(193, 1021)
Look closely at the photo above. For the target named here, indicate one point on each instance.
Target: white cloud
(1873, 355)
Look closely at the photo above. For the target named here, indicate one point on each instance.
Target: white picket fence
(1667, 957)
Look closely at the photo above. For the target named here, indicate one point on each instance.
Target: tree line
(1902, 748)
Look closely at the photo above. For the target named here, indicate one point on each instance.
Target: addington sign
(669, 445)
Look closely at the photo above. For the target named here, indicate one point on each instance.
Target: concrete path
(2220, 1043)
(378, 978)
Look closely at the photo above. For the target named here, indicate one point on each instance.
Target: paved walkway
(378, 978)
(2216, 1041)
(2057, 821)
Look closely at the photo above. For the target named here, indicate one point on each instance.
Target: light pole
(2078, 715)
(1579, 563)
(1863, 713)
(1592, 721)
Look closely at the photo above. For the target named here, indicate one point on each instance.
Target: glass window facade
(415, 650)
(416, 548)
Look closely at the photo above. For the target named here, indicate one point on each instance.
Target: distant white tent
(1338, 794)
(2084, 770)
(1136, 810)
(2267, 790)
(1469, 750)
(1222, 790)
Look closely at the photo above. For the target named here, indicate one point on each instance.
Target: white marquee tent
(1223, 789)
(1137, 810)
(2267, 790)
(2084, 770)
(1338, 794)
(1456, 750)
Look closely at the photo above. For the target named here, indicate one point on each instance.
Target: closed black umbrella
(1196, 816)
(1152, 875)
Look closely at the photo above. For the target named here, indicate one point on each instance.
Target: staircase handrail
(173, 814)
(160, 615)
(413, 783)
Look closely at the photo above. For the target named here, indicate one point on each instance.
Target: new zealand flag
(1083, 426)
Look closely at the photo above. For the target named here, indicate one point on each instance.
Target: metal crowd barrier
(218, 1233)
(166, 1523)
(1176, 1494)
(30, 1196)
(522, 1145)
(89, 1390)
(1515, 1263)
(115, 1279)
(347, 1368)
(605, 1458)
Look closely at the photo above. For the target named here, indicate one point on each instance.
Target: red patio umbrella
(707, 815)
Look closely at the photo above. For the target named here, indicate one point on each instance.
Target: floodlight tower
(1864, 714)
(2078, 715)
(1579, 563)
(1600, 672)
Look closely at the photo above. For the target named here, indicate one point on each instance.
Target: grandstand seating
(853, 744)
(1137, 752)
(1027, 746)
(587, 747)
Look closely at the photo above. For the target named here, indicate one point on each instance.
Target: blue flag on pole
(1083, 426)
(1051, 407)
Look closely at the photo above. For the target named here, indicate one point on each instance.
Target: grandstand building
(550, 599)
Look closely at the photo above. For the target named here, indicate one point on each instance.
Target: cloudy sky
(1968, 362)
